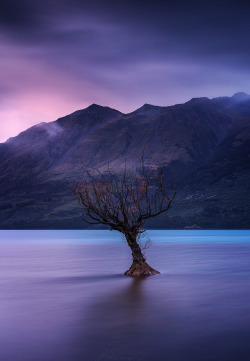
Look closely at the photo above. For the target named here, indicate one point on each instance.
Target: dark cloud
(123, 53)
(157, 29)
(15, 15)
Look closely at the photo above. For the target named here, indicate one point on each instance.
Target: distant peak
(198, 100)
(148, 109)
(241, 96)
(94, 106)
(146, 105)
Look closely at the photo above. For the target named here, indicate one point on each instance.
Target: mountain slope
(203, 144)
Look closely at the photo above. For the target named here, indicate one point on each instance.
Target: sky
(58, 56)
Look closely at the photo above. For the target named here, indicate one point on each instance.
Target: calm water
(63, 297)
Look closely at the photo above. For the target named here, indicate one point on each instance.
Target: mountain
(203, 144)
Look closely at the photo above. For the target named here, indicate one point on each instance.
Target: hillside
(203, 144)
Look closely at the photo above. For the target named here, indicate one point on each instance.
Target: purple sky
(59, 56)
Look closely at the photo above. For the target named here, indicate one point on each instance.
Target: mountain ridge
(38, 164)
(240, 97)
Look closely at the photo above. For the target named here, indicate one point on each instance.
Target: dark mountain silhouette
(203, 144)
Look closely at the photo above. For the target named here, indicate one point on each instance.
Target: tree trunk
(139, 265)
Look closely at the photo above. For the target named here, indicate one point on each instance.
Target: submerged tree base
(140, 269)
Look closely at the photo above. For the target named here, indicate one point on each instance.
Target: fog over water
(64, 297)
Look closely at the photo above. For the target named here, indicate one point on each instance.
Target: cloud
(52, 128)
(59, 56)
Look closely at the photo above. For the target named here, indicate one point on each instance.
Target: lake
(63, 297)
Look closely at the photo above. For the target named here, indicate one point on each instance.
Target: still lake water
(63, 297)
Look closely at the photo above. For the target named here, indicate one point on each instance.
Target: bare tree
(124, 202)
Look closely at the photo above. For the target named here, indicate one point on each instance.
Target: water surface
(64, 297)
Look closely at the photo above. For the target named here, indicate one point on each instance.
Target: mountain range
(203, 144)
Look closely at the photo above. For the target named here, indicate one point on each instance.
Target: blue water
(63, 297)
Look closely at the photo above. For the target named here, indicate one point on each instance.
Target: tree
(124, 201)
